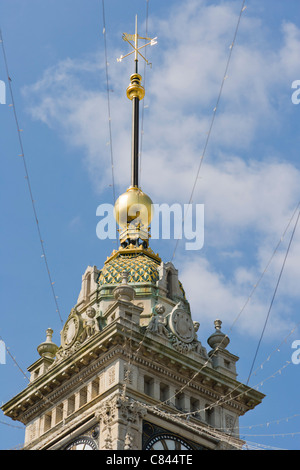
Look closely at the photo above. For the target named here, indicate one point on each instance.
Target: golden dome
(134, 204)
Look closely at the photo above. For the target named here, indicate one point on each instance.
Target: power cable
(22, 154)
(108, 102)
(244, 306)
(273, 297)
(143, 108)
(109, 113)
(213, 116)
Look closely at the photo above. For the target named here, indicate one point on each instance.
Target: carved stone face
(160, 309)
(91, 312)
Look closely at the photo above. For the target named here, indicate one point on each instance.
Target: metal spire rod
(135, 92)
(135, 122)
(136, 60)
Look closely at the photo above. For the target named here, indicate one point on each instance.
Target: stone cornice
(117, 340)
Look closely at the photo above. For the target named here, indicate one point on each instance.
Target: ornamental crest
(179, 328)
(71, 329)
(181, 324)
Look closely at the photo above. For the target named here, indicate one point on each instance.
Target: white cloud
(253, 196)
(241, 306)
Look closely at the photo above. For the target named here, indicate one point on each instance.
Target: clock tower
(130, 372)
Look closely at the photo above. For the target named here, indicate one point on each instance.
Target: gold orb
(134, 204)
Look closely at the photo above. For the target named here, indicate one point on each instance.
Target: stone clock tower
(130, 372)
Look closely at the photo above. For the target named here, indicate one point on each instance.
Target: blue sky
(249, 179)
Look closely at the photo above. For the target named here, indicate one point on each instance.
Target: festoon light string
(22, 155)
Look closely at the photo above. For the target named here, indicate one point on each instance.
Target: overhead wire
(206, 363)
(108, 101)
(143, 108)
(243, 7)
(229, 397)
(14, 359)
(218, 99)
(210, 129)
(109, 109)
(273, 297)
(44, 255)
(223, 400)
(22, 154)
(38, 391)
(267, 423)
(104, 32)
(11, 425)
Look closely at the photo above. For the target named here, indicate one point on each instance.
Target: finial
(124, 277)
(218, 339)
(48, 348)
(124, 291)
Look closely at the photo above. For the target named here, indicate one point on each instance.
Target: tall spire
(136, 93)
(133, 209)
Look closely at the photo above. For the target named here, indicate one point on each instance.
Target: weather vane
(136, 49)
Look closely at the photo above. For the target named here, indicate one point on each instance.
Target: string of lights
(22, 155)
(108, 102)
(227, 398)
(277, 349)
(281, 434)
(214, 110)
(109, 108)
(207, 362)
(273, 297)
(214, 431)
(225, 76)
(265, 424)
(143, 107)
(11, 425)
(222, 434)
(255, 446)
(223, 400)
(13, 359)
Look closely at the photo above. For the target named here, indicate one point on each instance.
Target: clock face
(82, 443)
(167, 442)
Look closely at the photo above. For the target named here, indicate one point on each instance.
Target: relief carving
(76, 331)
(179, 328)
(118, 408)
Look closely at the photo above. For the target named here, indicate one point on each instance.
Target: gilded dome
(139, 266)
(134, 204)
